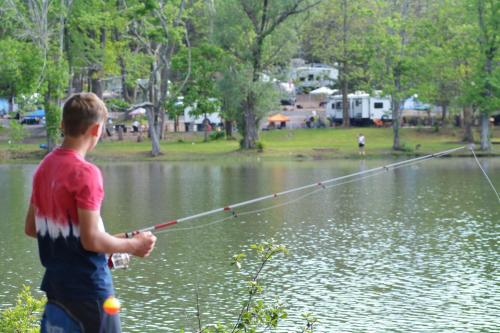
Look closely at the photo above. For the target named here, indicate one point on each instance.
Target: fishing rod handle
(118, 260)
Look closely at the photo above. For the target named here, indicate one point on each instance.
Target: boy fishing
(64, 216)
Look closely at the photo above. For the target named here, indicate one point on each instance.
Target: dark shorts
(361, 145)
(87, 314)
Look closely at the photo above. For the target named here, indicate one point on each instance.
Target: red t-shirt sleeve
(90, 192)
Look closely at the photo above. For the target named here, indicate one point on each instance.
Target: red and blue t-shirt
(64, 182)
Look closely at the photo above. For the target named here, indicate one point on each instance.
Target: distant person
(135, 126)
(64, 216)
(109, 127)
(361, 144)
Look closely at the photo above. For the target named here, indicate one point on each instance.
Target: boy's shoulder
(68, 162)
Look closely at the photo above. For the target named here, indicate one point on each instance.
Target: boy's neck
(77, 144)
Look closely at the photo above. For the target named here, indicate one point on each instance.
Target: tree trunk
(11, 104)
(395, 122)
(444, 113)
(485, 132)
(343, 76)
(228, 125)
(396, 115)
(125, 90)
(468, 134)
(205, 128)
(95, 81)
(162, 97)
(77, 83)
(155, 141)
(346, 121)
(251, 135)
(154, 111)
(120, 133)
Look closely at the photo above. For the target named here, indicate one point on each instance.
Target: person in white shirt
(135, 126)
(361, 144)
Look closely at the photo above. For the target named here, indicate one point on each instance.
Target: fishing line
(485, 174)
(230, 208)
(260, 210)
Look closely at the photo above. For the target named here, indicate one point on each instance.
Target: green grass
(326, 143)
(343, 142)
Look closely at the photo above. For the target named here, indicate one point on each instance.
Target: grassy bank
(329, 143)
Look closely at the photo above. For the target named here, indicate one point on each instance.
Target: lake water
(409, 250)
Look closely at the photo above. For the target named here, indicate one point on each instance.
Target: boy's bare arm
(95, 240)
(29, 225)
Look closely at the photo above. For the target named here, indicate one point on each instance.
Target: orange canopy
(278, 118)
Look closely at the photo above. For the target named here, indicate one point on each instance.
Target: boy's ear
(94, 129)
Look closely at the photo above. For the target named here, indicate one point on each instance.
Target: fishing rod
(122, 260)
(230, 208)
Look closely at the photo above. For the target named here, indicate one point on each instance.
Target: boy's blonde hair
(81, 111)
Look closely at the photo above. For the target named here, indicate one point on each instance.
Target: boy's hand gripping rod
(231, 208)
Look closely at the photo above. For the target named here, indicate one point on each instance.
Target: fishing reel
(118, 260)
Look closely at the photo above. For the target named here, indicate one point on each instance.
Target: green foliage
(257, 34)
(260, 146)
(216, 135)
(255, 314)
(310, 321)
(25, 316)
(20, 67)
(17, 133)
(204, 63)
(115, 104)
(53, 117)
(342, 32)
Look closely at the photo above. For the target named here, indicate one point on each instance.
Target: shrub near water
(17, 132)
(25, 316)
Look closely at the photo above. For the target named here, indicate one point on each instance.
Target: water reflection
(414, 249)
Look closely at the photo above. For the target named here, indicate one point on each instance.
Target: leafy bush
(215, 135)
(260, 146)
(25, 316)
(256, 315)
(17, 133)
(116, 104)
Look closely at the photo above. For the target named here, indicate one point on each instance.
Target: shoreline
(278, 145)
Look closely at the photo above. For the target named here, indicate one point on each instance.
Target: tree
(340, 33)
(20, 69)
(203, 63)
(159, 28)
(487, 77)
(231, 92)
(394, 65)
(251, 25)
(37, 21)
(437, 56)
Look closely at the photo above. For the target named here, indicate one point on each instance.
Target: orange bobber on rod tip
(111, 305)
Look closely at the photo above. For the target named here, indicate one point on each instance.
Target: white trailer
(363, 108)
(314, 76)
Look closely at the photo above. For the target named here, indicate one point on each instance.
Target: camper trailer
(363, 108)
(313, 76)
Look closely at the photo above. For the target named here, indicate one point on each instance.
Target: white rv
(314, 76)
(363, 108)
(196, 123)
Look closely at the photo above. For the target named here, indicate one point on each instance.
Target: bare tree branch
(250, 13)
(293, 10)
